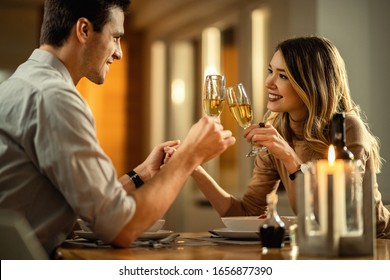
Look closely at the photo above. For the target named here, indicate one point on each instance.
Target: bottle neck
(338, 136)
(271, 210)
(338, 133)
(272, 215)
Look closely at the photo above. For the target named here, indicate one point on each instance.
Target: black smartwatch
(302, 169)
(136, 179)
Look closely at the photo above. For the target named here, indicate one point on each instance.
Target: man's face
(104, 48)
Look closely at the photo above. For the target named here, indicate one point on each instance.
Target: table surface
(197, 246)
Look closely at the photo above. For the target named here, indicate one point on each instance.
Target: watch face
(304, 167)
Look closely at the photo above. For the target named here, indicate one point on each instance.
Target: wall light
(211, 51)
(158, 93)
(259, 51)
(178, 90)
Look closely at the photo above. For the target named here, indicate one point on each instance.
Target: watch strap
(303, 168)
(136, 178)
(292, 176)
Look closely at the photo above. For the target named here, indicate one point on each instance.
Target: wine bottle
(338, 136)
(272, 231)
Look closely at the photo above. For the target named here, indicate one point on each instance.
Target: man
(52, 168)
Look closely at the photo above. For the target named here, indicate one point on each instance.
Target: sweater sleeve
(265, 179)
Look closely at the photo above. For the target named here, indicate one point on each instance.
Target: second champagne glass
(213, 95)
(240, 107)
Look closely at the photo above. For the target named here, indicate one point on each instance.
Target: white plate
(145, 236)
(253, 223)
(225, 232)
(155, 235)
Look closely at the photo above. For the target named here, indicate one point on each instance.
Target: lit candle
(334, 170)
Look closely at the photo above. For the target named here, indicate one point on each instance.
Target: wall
(19, 33)
(359, 30)
(378, 91)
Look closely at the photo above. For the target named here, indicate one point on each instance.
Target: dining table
(197, 246)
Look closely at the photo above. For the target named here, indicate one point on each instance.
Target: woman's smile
(274, 97)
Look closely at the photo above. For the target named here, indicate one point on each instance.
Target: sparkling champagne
(213, 107)
(242, 113)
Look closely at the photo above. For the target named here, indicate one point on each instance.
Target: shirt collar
(48, 58)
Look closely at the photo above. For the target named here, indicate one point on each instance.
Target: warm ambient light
(178, 95)
(211, 51)
(259, 26)
(331, 155)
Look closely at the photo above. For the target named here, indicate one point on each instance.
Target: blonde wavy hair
(317, 73)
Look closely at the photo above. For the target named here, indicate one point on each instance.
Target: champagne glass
(213, 95)
(240, 107)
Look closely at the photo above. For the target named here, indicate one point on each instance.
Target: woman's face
(281, 95)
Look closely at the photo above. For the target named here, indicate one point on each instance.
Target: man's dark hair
(61, 15)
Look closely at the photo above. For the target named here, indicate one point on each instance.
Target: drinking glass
(213, 95)
(240, 107)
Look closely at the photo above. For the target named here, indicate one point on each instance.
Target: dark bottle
(338, 137)
(272, 231)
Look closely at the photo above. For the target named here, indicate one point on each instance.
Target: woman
(307, 84)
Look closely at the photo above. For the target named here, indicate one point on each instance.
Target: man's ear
(83, 29)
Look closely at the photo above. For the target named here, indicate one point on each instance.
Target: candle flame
(331, 154)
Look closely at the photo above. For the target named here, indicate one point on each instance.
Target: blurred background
(154, 93)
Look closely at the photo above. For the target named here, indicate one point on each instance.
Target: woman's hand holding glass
(240, 106)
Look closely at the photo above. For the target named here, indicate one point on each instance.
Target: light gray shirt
(52, 168)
